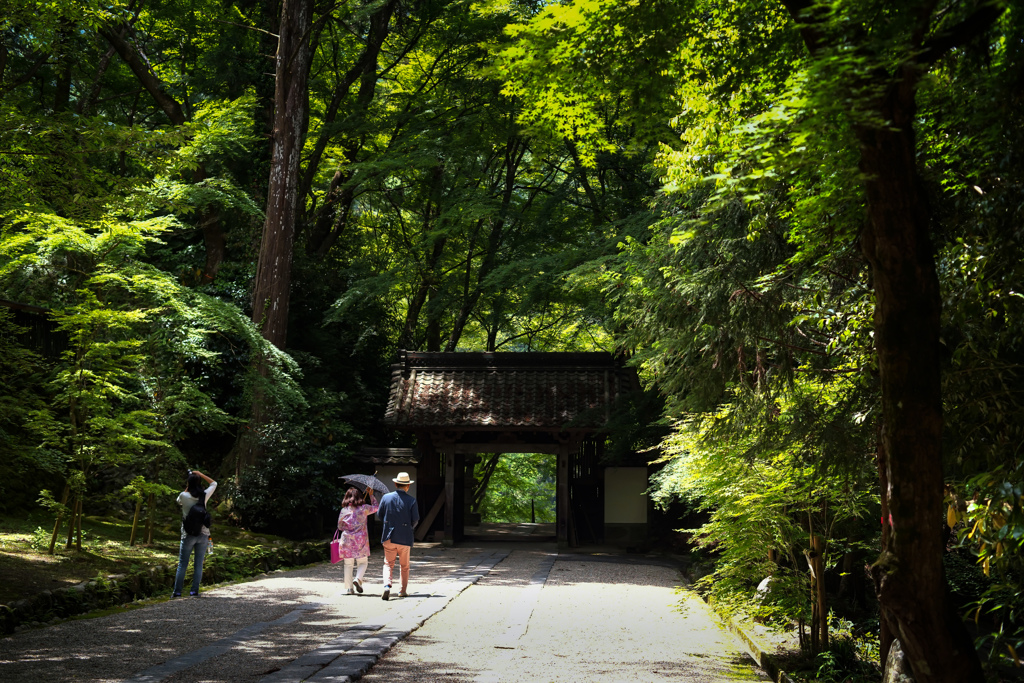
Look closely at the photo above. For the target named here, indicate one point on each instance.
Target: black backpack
(197, 518)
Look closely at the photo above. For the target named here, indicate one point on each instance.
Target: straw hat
(402, 478)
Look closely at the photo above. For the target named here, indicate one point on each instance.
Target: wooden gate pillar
(449, 499)
(563, 509)
(429, 486)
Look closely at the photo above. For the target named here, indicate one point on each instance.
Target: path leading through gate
(490, 613)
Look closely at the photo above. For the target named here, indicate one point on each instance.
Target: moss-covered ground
(28, 568)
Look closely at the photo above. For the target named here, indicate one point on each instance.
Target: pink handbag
(336, 548)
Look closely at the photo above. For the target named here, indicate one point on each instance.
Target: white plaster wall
(624, 499)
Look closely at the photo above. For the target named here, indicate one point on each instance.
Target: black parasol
(366, 481)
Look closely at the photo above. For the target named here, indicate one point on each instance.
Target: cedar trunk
(274, 268)
(909, 573)
(291, 117)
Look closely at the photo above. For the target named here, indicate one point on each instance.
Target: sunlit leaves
(134, 333)
(582, 68)
(761, 487)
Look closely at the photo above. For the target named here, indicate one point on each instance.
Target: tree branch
(968, 29)
(806, 24)
(794, 348)
(146, 77)
(250, 28)
(27, 76)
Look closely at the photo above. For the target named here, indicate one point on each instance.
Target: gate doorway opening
(512, 496)
(514, 488)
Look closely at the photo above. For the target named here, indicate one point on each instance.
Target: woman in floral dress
(355, 542)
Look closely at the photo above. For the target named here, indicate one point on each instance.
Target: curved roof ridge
(549, 391)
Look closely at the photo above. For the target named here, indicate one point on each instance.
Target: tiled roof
(505, 390)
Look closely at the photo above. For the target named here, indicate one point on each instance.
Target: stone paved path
(484, 614)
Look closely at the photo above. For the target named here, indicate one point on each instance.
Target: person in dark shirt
(400, 515)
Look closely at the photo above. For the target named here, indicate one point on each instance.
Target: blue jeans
(187, 544)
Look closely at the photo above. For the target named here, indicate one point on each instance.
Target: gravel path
(512, 613)
(594, 619)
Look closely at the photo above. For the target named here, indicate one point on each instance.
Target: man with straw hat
(400, 515)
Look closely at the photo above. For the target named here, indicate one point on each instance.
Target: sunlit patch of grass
(13, 541)
(28, 567)
(34, 557)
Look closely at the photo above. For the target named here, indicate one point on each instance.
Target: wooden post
(424, 525)
(78, 542)
(135, 521)
(449, 499)
(71, 521)
(56, 526)
(430, 481)
(562, 496)
(458, 504)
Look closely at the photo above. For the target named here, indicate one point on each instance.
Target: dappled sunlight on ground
(547, 616)
(602, 619)
(34, 559)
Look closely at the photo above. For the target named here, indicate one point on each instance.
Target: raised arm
(209, 489)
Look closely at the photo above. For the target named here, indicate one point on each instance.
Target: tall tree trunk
(487, 471)
(78, 537)
(272, 285)
(909, 572)
(433, 331)
(62, 93)
(76, 509)
(150, 518)
(412, 315)
(428, 283)
(492, 334)
(291, 117)
(471, 296)
(515, 150)
(896, 243)
(820, 598)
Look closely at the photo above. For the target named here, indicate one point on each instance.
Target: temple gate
(459, 405)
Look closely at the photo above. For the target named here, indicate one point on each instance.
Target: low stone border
(764, 659)
(49, 607)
